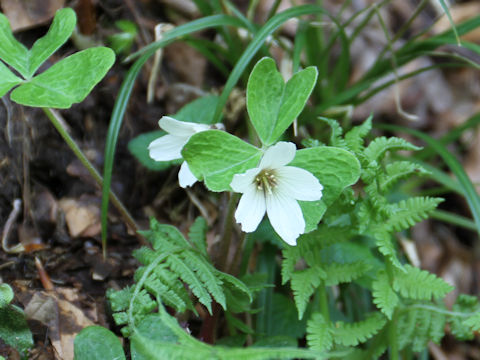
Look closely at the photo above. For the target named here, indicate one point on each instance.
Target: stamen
(266, 181)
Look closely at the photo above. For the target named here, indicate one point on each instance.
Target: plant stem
(59, 124)
(227, 232)
(323, 299)
(392, 326)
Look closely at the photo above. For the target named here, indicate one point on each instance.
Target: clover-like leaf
(27, 62)
(335, 168)
(216, 156)
(273, 105)
(67, 82)
(7, 79)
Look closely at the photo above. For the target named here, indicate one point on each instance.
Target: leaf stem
(392, 326)
(226, 239)
(323, 299)
(59, 124)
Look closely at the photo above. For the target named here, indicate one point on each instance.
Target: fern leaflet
(407, 213)
(378, 147)
(383, 295)
(419, 284)
(397, 171)
(340, 273)
(319, 333)
(355, 137)
(351, 334)
(304, 283)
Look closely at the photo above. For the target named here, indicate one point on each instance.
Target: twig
(17, 203)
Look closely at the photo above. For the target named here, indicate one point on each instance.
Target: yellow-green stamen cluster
(266, 181)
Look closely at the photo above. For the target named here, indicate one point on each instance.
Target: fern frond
(419, 284)
(355, 137)
(383, 295)
(416, 326)
(378, 147)
(352, 334)
(173, 267)
(304, 283)
(407, 213)
(319, 333)
(337, 131)
(340, 273)
(385, 245)
(397, 171)
(469, 308)
(291, 255)
(197, 234)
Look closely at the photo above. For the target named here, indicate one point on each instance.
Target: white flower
(275, 188)
(169, 147)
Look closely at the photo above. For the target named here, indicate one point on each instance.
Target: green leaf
(285, 318)
(351, 334)
(6, 295)
(319, 333)
(14, 330)
(378, 147)
(27, 62)
(67, 82)
(59, 32)
(335, 168)
(304, 283)
(383, 295)
(7, 79)
(419, 284)
(216, 156)
(272, 105)
(138, 147)
(12, 52)
(97, 342)
(199, 110)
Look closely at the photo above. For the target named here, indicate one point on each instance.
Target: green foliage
(167, 268)
(14, 330)
(67, 82)
(414, 283)
(319, 333)
(465, 321)
(97, 343)
(122, 42)
(384, 296)
(273, 105)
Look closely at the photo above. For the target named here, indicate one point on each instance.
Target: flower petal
(185, 176)
(251, 209)
(298, 183)
(181, 128)
(278, 155)
(242, 182)
(166, 148)
(286, 217)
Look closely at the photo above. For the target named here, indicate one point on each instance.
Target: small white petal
(181, 128)
(166, 148)
(298, 183)
(185, 176)
(241, 182)
(286, 217)
(278, 155)
(250, 209)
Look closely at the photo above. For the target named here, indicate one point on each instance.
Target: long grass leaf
(450, 19)
(121, 102)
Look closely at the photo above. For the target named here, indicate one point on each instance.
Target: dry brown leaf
(24, 14)
(63, 319)
(82, 217)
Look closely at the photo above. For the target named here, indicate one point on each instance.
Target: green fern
(386, 246)
(383, 295)
(197, 234)
(172, 264)
(337, 131)
(415, 283)
(354, 139)
(467, 310)
(377, 148)
(319, 333)
(341, 273)
(416, 326)
(407, 213)
(352, 334)
(397, 171)
(304, 283)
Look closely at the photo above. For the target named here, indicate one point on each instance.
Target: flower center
(266, 181)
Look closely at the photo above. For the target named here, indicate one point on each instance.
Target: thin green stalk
(454, 219)
(227, 232)
(392, 337)
(323, 300)
(58, 123)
